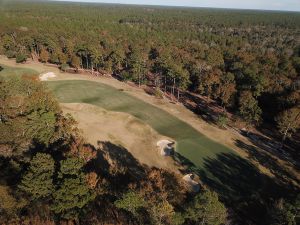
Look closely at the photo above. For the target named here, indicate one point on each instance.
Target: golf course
(110, 111)
(12, 71)
(149, 113)
(190, 143)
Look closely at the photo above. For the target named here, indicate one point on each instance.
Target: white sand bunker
(166, 147)
(46, 76)
(192, 184)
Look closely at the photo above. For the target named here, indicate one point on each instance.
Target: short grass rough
(10, 71)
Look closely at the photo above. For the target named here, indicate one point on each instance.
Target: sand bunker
(163, 143)
(46, 76)
(166, 147)
(193, 185)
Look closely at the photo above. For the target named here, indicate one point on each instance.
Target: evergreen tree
(71, 197)
(71, 166)
(73, 193)
(131, 202)
(206, 209)
(249, 109)
(38, 179)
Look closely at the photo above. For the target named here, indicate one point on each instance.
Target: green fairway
(9, 71)
(190, 143)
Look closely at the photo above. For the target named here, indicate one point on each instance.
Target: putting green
(191, 144)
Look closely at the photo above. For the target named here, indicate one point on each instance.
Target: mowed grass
(191, 144)
(10, 71)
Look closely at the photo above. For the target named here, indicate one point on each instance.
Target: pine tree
(38, 180)
(249, 109)
(206, 209)
(131, 202)
(71, 166)
(73, 193)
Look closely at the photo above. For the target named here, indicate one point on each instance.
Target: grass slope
(191, 144)
(10, 71)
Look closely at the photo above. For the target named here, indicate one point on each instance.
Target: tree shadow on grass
(246, 191)
(269, 162)
(186, 166)
(273, 147)
(208, 110)
(117, 165)
(243, 187)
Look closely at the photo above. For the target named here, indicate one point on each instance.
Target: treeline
(246, 60)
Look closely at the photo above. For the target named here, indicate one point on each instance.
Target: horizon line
(175, 6)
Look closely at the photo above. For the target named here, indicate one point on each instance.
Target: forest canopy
(231, 56)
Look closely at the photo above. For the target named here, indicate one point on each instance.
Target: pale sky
(289, 5)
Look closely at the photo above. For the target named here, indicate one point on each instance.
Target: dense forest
(247, 61)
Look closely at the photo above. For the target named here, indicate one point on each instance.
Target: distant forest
(247, 61)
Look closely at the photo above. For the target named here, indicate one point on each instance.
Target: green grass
(190, 143)
(10, 71)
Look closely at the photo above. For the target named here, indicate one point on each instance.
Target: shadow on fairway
(190, 143)
(241, 186)
(116, 164)
(272, 163)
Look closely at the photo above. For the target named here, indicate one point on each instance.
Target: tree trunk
(139, 77)
(284, 137)
(165, 84)
(38, 50)
(173, 88)
(87, 63)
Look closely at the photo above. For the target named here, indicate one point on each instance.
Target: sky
(287, 5)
